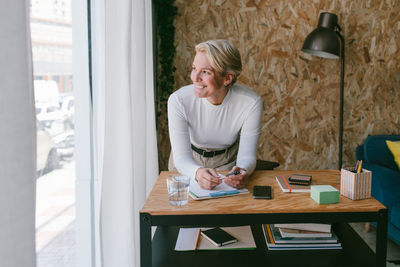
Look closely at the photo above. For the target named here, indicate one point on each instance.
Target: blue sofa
(378, 158)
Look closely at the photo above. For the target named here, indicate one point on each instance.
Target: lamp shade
(324, 41)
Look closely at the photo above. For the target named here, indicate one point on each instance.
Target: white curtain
(126, 159)
(17, 138)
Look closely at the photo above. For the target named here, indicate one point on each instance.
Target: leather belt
(208, 154)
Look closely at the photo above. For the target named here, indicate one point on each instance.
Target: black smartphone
(262, 191)
(218, 237)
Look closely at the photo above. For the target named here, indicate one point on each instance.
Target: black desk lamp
(326, 41)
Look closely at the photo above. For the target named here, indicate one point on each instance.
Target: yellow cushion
(395, 149)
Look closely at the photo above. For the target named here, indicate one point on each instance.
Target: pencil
(198, 239)
(359, 167)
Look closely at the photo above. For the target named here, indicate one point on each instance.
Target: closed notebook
(187, 238)
(312, 237)
(300, 179)
(316, 227)
(218, 237)
(286, 233)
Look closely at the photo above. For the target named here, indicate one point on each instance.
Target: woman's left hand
(237, 180)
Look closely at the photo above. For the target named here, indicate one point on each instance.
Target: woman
(214, 124)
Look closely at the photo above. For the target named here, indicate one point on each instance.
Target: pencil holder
(355, 185)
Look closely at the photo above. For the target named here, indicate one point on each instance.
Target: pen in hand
(231, 173)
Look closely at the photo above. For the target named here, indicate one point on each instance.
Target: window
(51, 32)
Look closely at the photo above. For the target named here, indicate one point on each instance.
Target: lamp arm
(342, 59)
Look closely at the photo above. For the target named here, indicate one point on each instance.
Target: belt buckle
(208, 154)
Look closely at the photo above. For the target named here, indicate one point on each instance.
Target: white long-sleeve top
(196, 121)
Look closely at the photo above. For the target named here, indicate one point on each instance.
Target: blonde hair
(223, 56)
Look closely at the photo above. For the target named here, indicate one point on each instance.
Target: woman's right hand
(207, 178)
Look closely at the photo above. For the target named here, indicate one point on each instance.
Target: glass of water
(178, 190)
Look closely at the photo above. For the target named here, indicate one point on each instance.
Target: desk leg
(381, 238)
(145, 240)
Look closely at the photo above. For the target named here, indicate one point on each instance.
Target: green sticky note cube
(324, 194)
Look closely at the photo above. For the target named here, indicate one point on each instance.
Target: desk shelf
(355, 252)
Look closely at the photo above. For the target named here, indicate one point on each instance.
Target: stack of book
(296, 183)
(300, 236)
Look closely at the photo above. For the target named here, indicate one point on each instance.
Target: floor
(393, 250)
(60, 251)
(55, 217)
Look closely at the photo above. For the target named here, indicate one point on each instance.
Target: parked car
(68, 111)
(65, 143)
(47, 158)
(46, 114)
(52, 118)
(57, 118)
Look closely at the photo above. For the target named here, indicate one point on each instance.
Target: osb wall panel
(300, 125)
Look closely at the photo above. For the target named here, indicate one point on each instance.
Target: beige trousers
(221, 162)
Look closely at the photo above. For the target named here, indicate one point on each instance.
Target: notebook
(291, 188)
(221, 190)
(186, 240)
(317, 227)
(218, 237)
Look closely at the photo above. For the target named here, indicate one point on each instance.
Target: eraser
(324, 194)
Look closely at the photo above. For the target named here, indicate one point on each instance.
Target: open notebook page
(222, 187)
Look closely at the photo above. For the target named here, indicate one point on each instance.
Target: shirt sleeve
(249, 134)
(179, 137)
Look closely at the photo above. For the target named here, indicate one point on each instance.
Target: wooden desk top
(157, 202)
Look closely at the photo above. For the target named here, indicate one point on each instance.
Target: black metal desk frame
(207, 220)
